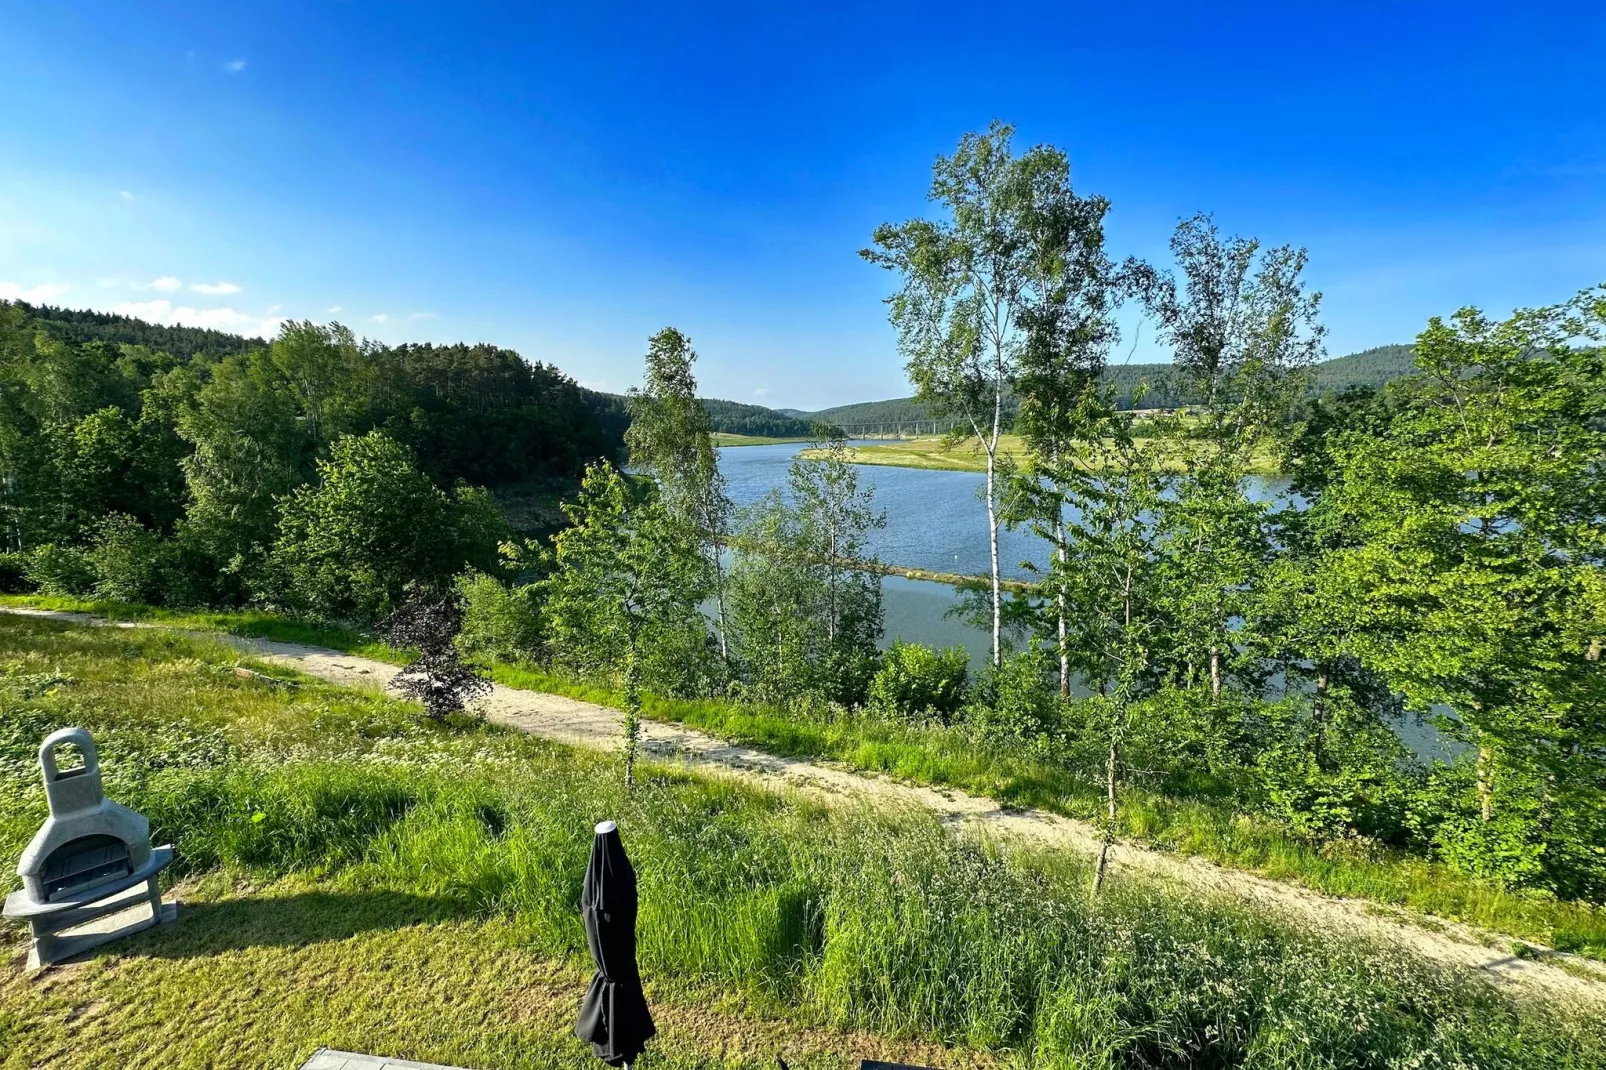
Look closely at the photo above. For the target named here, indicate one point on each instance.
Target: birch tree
(670, 438)
(958, 312)
(1069, 326)
(1242, 330)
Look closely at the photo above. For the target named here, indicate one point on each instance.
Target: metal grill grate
(83, 863)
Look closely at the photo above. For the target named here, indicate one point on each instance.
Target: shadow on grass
(313, 917)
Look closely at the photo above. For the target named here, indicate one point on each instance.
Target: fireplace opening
(84, 863)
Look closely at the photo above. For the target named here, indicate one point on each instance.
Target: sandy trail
(1548, 974)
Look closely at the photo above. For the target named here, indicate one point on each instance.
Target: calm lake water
(936, 521)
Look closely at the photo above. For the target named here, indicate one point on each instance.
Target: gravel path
(1548, 974)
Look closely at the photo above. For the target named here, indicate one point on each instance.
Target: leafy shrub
(429, 623)
(55, 569)
(1020, 700)
(131, 562)
(917, 682)
(500, 623)
(349, 544)
(14, 574)
(1328, 781)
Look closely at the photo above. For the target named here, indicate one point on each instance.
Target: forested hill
(729, 417)
(735, 418)
(77, 326)
(476, 413)
(1371, 367)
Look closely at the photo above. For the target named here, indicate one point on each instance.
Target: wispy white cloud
(379, 317)
(336, 308)
(167, 284)
(126, 195)
(163, 311)
(761, 391)
(421, 315)
(215, 288)
(34, 295)
(234, 66)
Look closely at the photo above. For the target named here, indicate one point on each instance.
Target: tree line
(1436, 553)
(318, 473)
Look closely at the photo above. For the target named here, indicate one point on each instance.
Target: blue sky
(568, 179)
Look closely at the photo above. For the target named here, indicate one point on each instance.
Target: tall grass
(952, 757)
(881, 921)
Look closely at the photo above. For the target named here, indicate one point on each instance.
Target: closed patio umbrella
(613, 1016)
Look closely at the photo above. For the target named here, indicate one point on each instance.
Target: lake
(936, 521)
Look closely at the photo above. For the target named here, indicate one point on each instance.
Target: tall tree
(1242, 331)
(1110, 578)
(626, 583)
(805, 608)
(349, 545)
(1473, 565)
(837, 517)
(1069, 324)
(959, 311)
(669, 438)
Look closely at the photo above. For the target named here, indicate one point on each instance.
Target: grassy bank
(361, 879)
(1012, 775)
(725, 438)
(933, 452)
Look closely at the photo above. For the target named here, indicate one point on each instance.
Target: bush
(55, 569)
(131, 562)
(500, 623)
(349, 544)
(14, 574)
(1022, 701)
(917, 682)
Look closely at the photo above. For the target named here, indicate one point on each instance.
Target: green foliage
(865, 921)
(916, 682)
(131, 562)
(622, 600)
(805, 620)
(735, 418)
(1466, 556)
(202, 435)
(54, 569)
(500, 622)
(14, 573)
(373, 523)
(1020, 702)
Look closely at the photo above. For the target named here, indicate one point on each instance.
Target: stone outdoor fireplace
(89, 875)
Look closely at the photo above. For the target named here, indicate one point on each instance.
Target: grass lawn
(357, 878)
(725, 438)
(932, 451)
(263, 975)
(952, 758)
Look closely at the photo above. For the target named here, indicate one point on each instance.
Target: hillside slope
(1370, 367)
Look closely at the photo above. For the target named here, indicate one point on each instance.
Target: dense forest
(735, 418)
(177, 463)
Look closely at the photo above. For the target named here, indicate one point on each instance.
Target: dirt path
(1549, 974)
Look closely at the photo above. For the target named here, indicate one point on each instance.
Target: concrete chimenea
(89, 876)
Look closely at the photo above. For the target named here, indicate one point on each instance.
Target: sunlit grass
(935, 452)
(953, 758)
(362, 879)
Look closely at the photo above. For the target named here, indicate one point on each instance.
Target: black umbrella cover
(613, 1016)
